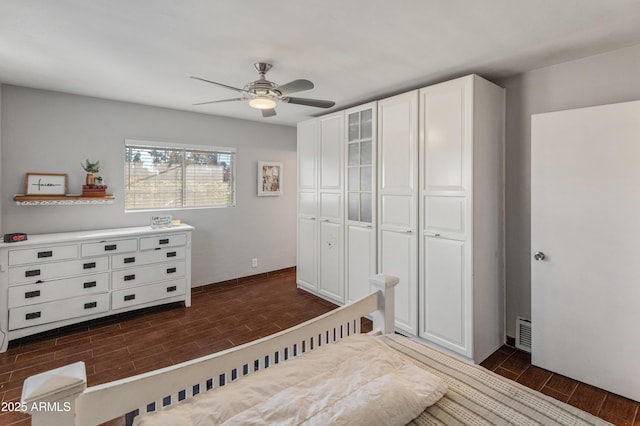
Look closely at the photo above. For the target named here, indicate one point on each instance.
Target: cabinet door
(331, 207)
(445, 221)
(307, 262)
(307, 253)
(331, 283)
(360, 200)
(444, 304)
(397, 201)
(360, 263)
(330, 155)
(307, 155)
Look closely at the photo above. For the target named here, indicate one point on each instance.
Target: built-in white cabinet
(461, 216)
(412, 186)
(331, 196)
(53, 280)
(320, 206)
(398, 202)
(360, 200)
(307, 251)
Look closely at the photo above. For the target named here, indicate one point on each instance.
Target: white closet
(436, 218)
(461, 216)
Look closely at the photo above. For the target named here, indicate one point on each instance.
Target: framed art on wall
(45, 184)
(269, 178)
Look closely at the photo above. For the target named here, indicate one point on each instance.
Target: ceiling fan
(262, 94)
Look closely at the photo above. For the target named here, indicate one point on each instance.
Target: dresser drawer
(147, 293)
(42, 254)
(42, 313)
(48, 271)
(119, 261)
(147, 274)
(161, 241)
(29, 294)
(109, 247)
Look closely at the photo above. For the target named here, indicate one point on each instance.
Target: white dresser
(53, 280)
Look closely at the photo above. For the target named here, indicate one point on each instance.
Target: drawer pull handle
(90, 284)
(90, 305)
(130, 277)
(129, 260)
(30, 294)
(89, 265)
(129, 297)
(164, 241)
(32, 273)
(172, 254)
(172, 289)
(33, 315)
(42, 254)
(171, 270)
(110, 247)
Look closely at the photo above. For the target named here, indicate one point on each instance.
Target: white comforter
(357, 381)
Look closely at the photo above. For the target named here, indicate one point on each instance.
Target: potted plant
(91, 168)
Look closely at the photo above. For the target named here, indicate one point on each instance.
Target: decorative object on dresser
(53, 280)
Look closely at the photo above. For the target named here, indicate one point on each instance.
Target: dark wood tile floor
(516, 365)
(222, 316)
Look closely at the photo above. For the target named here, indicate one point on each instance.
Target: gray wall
(44, 131)
(602, 79)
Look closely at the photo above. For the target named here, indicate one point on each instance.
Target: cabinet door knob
(539, 256)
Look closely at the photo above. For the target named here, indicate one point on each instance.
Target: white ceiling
(144, 51)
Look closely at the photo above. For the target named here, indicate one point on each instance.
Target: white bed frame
(60, 397)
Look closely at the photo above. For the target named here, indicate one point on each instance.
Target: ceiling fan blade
(223, 100)
(219, 84)
(309, 102)
(295, 86)
(268, 112)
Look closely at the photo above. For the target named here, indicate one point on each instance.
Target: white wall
(602, 79)
(1, 197)
(54, 132)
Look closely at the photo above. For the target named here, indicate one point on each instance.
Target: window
(158, 176)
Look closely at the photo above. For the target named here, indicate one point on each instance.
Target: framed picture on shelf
(45, 184)
(269, 178)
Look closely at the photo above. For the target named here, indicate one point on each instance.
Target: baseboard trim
(249, 278)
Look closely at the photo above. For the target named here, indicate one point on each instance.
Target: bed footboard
(60, 396)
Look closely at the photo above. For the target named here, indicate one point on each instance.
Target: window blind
(169, 177)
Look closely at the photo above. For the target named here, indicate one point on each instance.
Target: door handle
(539, 256)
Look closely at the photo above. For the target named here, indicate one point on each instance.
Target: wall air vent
(523, 334)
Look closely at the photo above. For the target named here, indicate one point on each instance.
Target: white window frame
(183, 147)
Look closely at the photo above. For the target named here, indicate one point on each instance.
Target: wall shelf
(61, 200)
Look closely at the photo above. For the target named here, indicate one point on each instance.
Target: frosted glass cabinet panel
(360, 262)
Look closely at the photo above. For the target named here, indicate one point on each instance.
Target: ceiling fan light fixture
(262, 102)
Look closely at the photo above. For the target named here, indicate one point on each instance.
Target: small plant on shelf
(94, 184)
(91, 168)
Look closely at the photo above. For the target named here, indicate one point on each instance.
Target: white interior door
(585, 218)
